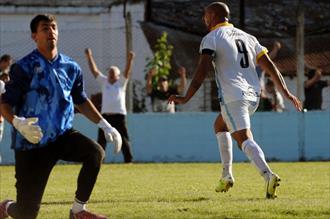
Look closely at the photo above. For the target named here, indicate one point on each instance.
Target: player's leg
(238, 115)
(32, 169)
(225, 147)
(73, 146)
(254, 152)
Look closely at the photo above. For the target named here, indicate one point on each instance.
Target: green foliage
(161, 58)
(186, 191)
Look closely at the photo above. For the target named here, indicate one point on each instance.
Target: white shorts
(237, 114)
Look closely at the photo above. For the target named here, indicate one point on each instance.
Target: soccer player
(234, 55)
(39, 102)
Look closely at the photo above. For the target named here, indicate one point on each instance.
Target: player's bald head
(220, 9)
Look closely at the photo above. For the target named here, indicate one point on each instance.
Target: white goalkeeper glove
(111, 134)
(28, 128)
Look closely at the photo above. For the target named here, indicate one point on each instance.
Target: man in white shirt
(234, 55)
(274, 97)
(2, 90)
(113, 108)
(5, 62)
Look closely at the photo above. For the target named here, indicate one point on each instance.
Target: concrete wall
(188, 137)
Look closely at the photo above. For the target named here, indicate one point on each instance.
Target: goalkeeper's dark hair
(40, 17)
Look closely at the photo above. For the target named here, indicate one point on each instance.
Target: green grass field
(186, 190)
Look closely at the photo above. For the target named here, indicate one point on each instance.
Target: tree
(161, 59)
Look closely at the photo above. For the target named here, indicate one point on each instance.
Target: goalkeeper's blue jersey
(47, 90)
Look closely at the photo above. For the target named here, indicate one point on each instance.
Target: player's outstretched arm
(91, 63)
(269, 67)
(204, 66)
(111, 134)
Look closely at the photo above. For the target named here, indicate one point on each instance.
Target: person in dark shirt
(160, 95)
(313, 89)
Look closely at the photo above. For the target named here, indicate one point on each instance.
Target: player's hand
(295, 101)
(111, 135)
(176, 99)
(28, 128)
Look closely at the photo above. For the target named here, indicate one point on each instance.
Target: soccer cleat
(3, 212)
(271, 184)
(86, 215)
(225, 183)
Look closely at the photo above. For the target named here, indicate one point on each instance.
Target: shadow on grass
(196, 199)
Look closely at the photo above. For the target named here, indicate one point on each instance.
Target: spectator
(5, 62)
(159, 96)
(275, 98)
(313, 89)
(2, 90)
(113, 106)
(4, 77)
(39, 102)
(265, 97)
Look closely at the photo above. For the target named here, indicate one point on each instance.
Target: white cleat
(271, 184)
(225, 183)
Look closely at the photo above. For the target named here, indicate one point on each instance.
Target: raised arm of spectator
(129, 63)
(183, 79)
(269, 67)
(317, 76)
(276, 47)
(91, 63)
(151, 73)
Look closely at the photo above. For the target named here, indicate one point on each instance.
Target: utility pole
(300, 76)
(300, 49)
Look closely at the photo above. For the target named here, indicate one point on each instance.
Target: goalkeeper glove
(111, 134)
(28, 128)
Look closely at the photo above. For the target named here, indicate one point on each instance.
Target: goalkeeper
(39, 102)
